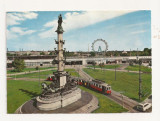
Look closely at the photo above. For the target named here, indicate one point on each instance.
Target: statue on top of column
(59, 28)
(60, 20)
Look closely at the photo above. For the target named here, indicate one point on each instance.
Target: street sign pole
(115, 72)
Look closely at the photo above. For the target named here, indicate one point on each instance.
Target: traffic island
(86, 104)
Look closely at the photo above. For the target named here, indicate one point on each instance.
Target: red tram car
(97, 85)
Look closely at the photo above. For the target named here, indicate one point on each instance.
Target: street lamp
(39, 76)
(115, 71)
(140, 81)
(122, 100)
(78, 71)
(121, 93)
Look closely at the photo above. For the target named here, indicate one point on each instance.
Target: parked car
(143, 107)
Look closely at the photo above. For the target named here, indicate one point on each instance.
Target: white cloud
(138, 43)
(11, 35)
(137, 24)
(138, 32)
(47, 34)
(79, 20)
(16, 18)
(51, 23)
(30, 15)
(14, 32)
(21, 31)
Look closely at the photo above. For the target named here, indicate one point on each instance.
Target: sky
(122, 30)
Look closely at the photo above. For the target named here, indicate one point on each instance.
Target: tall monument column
(60, 52)
(60, 59)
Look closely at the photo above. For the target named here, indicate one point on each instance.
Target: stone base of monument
(59, 100)
(86, 103)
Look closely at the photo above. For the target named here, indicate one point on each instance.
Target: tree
(94, 64)
(101, 65)
(150, 63)
(149, 51)
(8, 54)
(51, 53)
(24, 54)
(37, 68)
(92, 54)
(18, 64)
(116, 53)
(109, 54)
(69, 54)
(123, 54)
(146, 52)
(54, 62)
(42, 53)
(133, 53)
(131, 63)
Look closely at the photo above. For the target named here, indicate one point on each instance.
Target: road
(83, 74)
(30, 72)
(119, 70)
(124, 101)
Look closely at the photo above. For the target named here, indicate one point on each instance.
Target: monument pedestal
(58, 100)
(70, 97)
(86, 104)
(61, 78)
(49, 104)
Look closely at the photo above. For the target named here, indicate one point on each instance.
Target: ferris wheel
(99, 45)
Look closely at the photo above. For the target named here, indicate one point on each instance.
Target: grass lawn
(136, 68)
(105, 104)
(18, 92)
(106, 66)
(72, 72)
(44, 74)
(28, 69)
(125, 81)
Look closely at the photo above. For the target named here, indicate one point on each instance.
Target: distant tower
(99, 49)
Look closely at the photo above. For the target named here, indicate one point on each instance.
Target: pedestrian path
(119, 70)
(28, 72)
